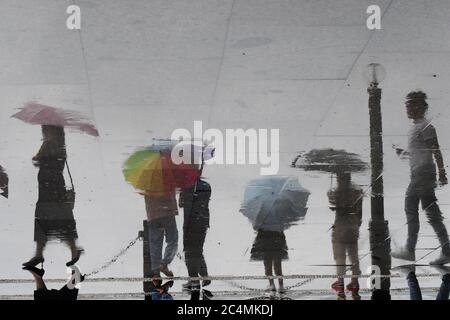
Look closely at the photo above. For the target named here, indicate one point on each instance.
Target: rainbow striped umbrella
(152, 171)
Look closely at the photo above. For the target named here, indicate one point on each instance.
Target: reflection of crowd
(345, 201)
(161, 212)
(54, 218)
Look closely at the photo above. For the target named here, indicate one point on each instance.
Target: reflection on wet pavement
(345, 217)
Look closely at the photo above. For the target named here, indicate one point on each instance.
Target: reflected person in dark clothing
(54, 218)
(68, 292)
(195, 202)
(271, 248)
(415, 292)
(160, 291)
(346, 202)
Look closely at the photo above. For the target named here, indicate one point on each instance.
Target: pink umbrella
(40, 114)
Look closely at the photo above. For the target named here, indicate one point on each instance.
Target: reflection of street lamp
(374, 73)
(379, 232)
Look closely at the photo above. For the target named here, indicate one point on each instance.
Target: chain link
(113, 259)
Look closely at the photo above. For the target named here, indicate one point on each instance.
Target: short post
(147, 270)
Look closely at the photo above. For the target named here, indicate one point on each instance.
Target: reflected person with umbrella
(346, 202)
(153, 173)
(161, 212)
(273, 204)
(54, 219)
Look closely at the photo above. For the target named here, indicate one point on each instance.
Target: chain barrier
(113, 259)
(243, 287)
(91, 273)
(293, 294)
(299, 284)
(226, 278)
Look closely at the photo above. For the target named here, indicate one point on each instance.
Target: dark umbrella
(3, 182)
(330, 160)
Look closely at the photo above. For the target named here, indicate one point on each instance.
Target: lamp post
(378, 226)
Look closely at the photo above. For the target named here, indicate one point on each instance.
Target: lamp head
(374, 74)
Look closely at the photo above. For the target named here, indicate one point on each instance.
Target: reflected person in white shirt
(424, 154)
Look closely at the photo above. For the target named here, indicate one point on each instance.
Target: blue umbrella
(274, 203)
